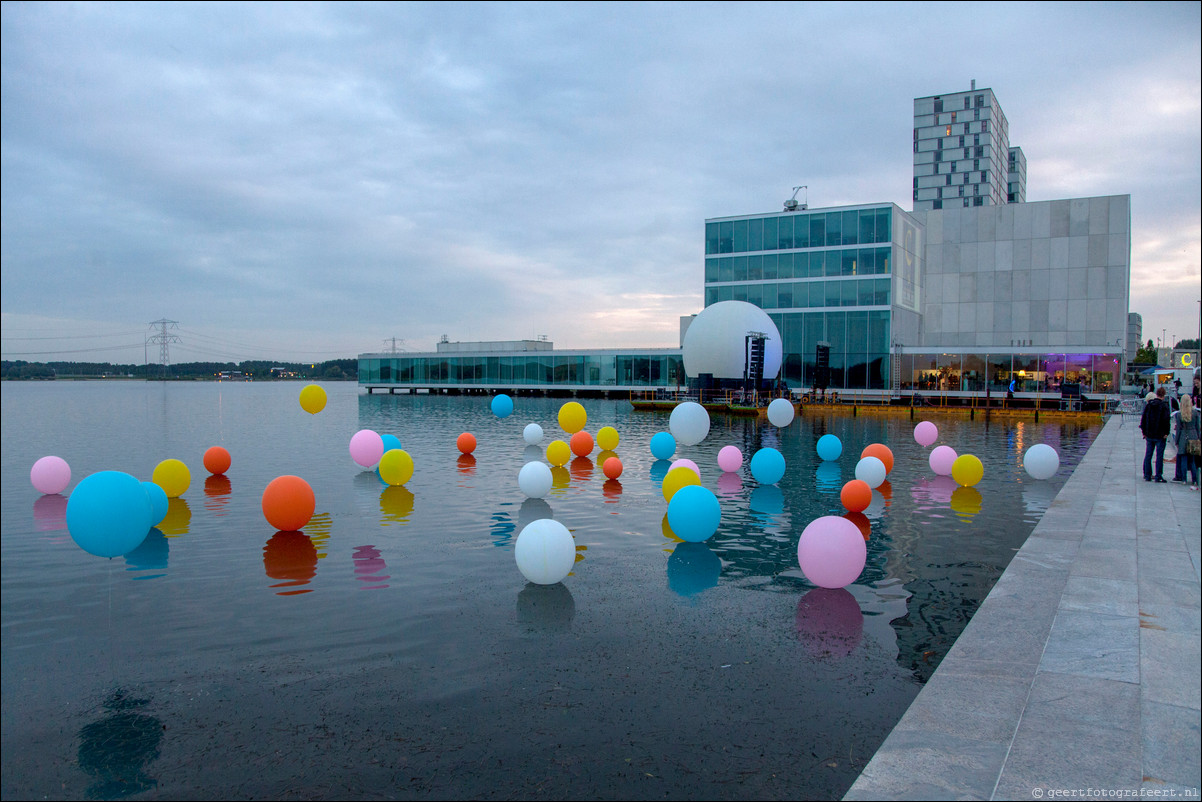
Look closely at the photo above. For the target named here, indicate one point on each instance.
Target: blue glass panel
(739, 236)
(801, 232)
(726, 270)
(784, 238)
(725, 232)
(740, 268)
(867, 226)
(771, 234)
(711, 270)
(755, 235)
(711, 238)
(834, 229)
(851, 225)
(755, 268)
(770, 261)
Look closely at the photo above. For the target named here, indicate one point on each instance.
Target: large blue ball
(830, 447)
(694, 515)
(109, 514)
(768, 466)
(663, 446)
(502, 405)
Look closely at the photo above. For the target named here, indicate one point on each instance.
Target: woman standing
(1188, 429)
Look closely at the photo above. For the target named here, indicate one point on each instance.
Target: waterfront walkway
(1080, 671)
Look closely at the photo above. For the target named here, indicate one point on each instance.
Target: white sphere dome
(715, 341)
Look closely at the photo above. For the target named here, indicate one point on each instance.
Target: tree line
(256, 370)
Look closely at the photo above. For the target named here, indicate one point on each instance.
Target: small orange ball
(881, 452)
(466, 442)
(288, 503)
(581, 443)
(856, 495)
(217, 460)
(612, 468)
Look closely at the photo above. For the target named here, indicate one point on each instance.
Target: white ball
(533, 434)
(689, 423)
(1041, 461)
(871, 471)
(716, 341)
(545, 551)
(535, 479)
(780, 412)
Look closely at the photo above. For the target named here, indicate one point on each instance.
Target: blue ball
(391, 441)
(829, 447)
(663, 446)
(108, 514)
(694, 515)
(158, 502)
(768, 466)
(502, 405)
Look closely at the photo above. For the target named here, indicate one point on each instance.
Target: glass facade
(1036, 373)
(599, 369)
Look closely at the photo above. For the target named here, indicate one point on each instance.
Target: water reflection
(117, 750)
(532, 453)
(546, 607)
(217, 494)
(533, 509)
(666, 530)
(829, 622)
(611, 490)
(318, 529)
(730, 484)
(659, 469)
(150, 556)
(561, 479)
(828, 478)
(396, 504)
(768, 502)
(582, 469)
(693, 568)
(290, 556)
(370, 568)
(177, 519)
(501, 529)
(862, 523)
(466, 464)
(50, 512)
(966, 502)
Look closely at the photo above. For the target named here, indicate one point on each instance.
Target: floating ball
(545, 551)
(871, 471)
(581, 444)
(686, 463)
(676, 479)
(109, 514)
(781, 412)
(941, 460)
(50, 475)
(396, 467)
(532, 434)
(558, 453)
(612, 468)
(831, 552)
(967, 470)
(1041, 461)
(173, 476)
(159, 503)
(366, 447)
(466, 442)
(572, 417)
(830, 447)
(926, 433)
(663, 445)
(390, 441)
(288, 503)
(730, 459)
(607, 438)
(767, 466)
(217, 460)
(502, 405)
(881, 452)
(535, 479)
(313, 399)
(689, 423)
(694, 513)
(856, 495)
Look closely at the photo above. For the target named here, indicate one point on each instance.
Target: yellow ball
(396, 467)
(313, 399)
(607, 438)
(572, 417)
(967, 470)
(173, 476)
(558, 453)
(678, 478)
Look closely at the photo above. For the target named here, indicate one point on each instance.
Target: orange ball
(612, 468)
(466, 442)
(881, 452)
(288, 503)
(856, 495)
(581, 443)
(217, 460)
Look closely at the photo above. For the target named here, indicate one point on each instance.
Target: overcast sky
(303, 182)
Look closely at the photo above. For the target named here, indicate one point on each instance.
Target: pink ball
(367, 447)
(832, 552)
(686, 463)
(50, 475)
(730, 459)
(941, 460)
(926, 433)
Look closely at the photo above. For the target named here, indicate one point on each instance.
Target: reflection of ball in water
(829, 622)
(545, 551)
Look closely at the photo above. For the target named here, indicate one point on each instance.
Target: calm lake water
(394, 650)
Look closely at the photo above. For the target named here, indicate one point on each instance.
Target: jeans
(1189, 469)
(1158, 447)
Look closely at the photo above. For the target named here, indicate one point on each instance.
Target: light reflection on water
(218, 623)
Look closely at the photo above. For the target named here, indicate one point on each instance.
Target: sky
(303, 182)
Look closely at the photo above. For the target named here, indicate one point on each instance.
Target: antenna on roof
(791, 205)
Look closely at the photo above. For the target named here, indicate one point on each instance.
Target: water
(394, 650)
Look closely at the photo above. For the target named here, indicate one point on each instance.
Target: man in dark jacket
(1155, 425)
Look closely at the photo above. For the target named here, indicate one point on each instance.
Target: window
(947, 131)
(938, 105)
(978, 201)
(949, 180)
(962, 145)
(937, 204)
(980, 101)
(939, 144)
(966, 203)
(966, 101)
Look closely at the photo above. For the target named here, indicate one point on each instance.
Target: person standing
(1188, 429)
(1154, 424)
